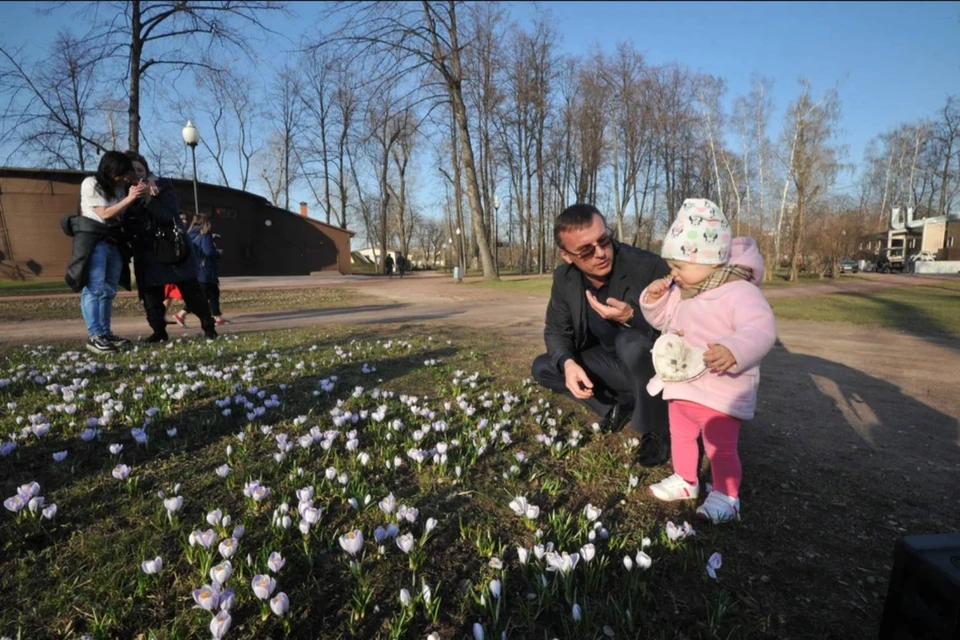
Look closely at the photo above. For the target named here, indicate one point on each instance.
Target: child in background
(719, 327)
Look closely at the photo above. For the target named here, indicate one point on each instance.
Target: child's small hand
(657, 288)
(718, 358)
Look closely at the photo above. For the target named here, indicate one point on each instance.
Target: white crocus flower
(228, 547)
(644, 561)
(495, 589)
(628, 563)
(35, 504)
(207, 597)
(405, 542)
(587, 552)
(50, 511)
(524, 554)
(280, 604)
(221, 572)
(173, 504)
(151, 567)
(263, 586)
(405, 598)
(214, 517)
(276, 562)
(577, 614)
(714, 563)
(352, 542)
(562, 562)
(220, 624)
(591, 512)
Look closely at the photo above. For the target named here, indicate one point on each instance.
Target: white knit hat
(700, 234)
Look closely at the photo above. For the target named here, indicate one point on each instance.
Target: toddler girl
(717, 327)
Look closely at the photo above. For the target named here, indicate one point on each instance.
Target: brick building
(257, 238)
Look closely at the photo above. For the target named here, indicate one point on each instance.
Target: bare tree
(229, 110)
(287, 116)
(169, 36)
(401, 152)
(52, 103)
(318, 97)
(813, 162)
(386, 127)
(406, 39)
(947, 137)
(346, 106)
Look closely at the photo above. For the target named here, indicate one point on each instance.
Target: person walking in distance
(388, 265)
(204, 242)
(717, 327)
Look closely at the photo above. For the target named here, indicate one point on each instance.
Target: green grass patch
(524, 284)
(781, 278)
(928, 309)
(231, 301)
(32, 287)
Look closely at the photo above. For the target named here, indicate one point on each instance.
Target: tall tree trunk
(136, 51)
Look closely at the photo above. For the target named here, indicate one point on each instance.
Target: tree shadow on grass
(837, 465)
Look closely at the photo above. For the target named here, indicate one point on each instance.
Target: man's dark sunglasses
(602, 242)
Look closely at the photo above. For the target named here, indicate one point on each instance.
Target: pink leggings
(720, 431)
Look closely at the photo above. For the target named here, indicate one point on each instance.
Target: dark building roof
(75, 176)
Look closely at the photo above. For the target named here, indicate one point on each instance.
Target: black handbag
(170, 243)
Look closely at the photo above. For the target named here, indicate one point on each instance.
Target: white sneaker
(674, 488)
(719, 508)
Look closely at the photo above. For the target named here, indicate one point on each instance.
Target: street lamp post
(192, 137)
(496, 235)
(463, 258)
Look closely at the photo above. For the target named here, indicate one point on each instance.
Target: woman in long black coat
(141, 224)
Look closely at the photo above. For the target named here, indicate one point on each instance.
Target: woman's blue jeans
(96, 299)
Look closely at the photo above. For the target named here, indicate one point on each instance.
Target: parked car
(849, 266)
(885, 265)
(926, 256)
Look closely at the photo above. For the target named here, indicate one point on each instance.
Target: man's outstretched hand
(577, 380)
(615, 310)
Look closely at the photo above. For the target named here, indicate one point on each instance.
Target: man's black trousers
(618, 378)
(193, 298)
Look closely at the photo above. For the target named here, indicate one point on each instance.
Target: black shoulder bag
(170, 243)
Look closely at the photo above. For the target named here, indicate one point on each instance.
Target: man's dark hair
(576, 216)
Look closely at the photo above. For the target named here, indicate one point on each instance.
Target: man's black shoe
(654, 450)
(157, 337)
(618, 416)
(210, 334)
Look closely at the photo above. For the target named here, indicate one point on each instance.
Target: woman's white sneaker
(719, 508)
(674, 488)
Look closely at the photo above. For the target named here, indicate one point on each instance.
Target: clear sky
(895, 61)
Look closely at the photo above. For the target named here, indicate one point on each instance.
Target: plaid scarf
(719, 277)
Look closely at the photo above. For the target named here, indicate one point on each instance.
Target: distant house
(257, 238)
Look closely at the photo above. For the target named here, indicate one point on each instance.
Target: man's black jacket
(566, 332)
(86, 233)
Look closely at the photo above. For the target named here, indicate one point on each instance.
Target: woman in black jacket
(158, 211)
